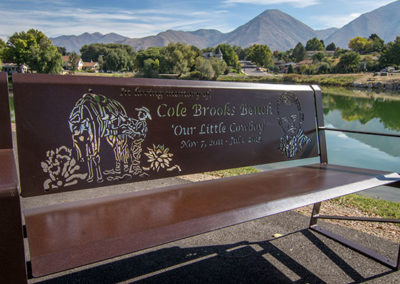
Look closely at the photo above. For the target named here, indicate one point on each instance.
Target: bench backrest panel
(5, 126)
(78, 132)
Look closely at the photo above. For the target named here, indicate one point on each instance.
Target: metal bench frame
(12, 231)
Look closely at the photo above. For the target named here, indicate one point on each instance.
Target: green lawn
(382, 208)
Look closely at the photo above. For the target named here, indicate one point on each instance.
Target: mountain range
(275, 28)
(74, 43)
(384, 21)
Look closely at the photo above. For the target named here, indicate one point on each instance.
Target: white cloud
(338, 21)
(369, 5)
(296, 3)
(131, 23)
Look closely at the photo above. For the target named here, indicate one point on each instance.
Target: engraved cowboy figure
(291, 118)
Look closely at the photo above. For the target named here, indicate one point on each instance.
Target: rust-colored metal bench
(77, 133)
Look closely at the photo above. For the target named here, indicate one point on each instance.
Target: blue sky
(139, 18)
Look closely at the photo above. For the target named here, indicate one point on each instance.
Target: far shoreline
(362, 81)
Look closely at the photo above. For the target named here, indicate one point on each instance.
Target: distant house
(305, 62)
(247, 64)
(90, 66)
(284, 68)
(310, 53)
(67, 63)
(12, 68)
(217, 54)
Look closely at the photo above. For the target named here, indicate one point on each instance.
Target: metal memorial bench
(76, 133)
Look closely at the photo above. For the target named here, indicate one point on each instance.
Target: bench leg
(394, 264)
(12, 254)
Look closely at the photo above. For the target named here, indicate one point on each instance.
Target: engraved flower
(160, 158)
(61, 168)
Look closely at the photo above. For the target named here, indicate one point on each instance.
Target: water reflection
(385, 109)
(377, 113)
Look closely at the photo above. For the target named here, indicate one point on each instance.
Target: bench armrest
(5, 120)
(359, 132)
(12, 255)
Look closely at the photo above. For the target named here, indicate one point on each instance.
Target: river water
(376, 113)
(364, 111)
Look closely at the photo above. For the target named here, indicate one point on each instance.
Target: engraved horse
(95, 117)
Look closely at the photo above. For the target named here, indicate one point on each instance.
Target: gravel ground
(388, 231)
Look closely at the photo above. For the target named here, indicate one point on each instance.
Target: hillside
(274, 28)
(384, 21)
(201, 39)
(74, 43)
(324, 34)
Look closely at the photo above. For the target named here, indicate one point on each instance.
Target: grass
(116, 74)
(340, 80)
(233, 172)
(372, 206)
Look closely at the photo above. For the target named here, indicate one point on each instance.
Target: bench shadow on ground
(243, 262)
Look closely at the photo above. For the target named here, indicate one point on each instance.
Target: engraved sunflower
(160, 158)
(60, 167)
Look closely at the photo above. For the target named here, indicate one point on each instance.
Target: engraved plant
(160, 158)
(61, 168)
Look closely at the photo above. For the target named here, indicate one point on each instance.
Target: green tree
(229, 54)
(324, 68)
(315, 44)
(299, 52)
(339, 52)
(375, 43)
(112, 61)
(240, 52)
(391, 54)
(331, 46)
(2, 48)
(101, 62)
(151, 52)
(151, 67)
(207, 49)
(286, 56)
(349, 62)
(74, 59)
(370, 63)
(118, 60)
(219, 67)
(34, 49)
(261, 55)
(92, 52)
(358, 44)
(318, 57)
(181, 65)
(178, 58)
(205, 68)
(303, 69)
(208, 69)
(62, 50)
(2, 45)
(366, 45)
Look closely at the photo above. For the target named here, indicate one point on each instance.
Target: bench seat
(76, 233)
